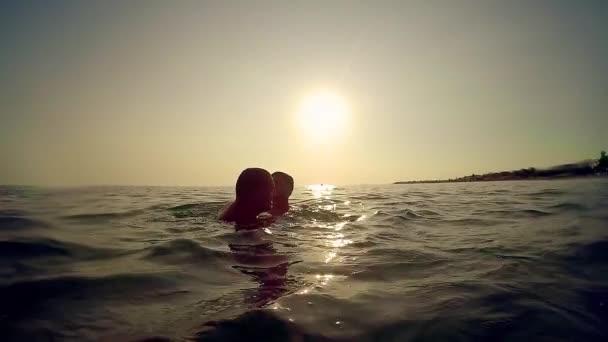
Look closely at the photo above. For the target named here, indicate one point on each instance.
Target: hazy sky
(192, 92)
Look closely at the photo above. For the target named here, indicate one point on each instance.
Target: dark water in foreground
(494, 261)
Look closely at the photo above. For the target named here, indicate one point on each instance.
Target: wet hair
(252, 182)
(283, 178)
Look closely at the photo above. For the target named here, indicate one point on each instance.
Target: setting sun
(322, 115)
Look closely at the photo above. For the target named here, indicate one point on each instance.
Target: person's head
(283, 185)
(254, 188)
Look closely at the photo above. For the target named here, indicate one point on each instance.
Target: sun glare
(322, 116)
(320, 190)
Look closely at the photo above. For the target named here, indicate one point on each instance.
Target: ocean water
(506, 261)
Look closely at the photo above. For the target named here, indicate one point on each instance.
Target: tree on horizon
(602, 163)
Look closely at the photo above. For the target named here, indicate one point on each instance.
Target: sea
(495, 261)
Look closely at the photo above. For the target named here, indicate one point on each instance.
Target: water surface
(467, 261)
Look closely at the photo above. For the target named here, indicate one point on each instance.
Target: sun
(322, 116)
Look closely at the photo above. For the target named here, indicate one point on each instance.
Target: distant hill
(584, 168)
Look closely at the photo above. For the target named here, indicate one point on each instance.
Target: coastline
(498, 180)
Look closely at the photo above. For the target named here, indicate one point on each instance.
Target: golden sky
(339, 92)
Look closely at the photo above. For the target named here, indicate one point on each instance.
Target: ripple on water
(10, 223)
(479, 261)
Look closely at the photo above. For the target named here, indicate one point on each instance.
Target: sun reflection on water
(340, 225)
(329, 207)
(320, 281)
(321, 190)
(330, 256)
(340, 243)
(324, 278)
(335, 238)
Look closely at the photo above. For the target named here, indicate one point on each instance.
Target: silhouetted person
(254, 190)
(283, 187)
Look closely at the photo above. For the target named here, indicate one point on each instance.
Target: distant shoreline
(583, 169)
(498, 180)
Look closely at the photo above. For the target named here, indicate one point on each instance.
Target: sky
(192, 92)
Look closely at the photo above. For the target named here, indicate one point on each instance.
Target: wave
(473, 221)
(316, 214)
(408, 215)
(546, 192)
(486, 313)
(205, 210)
(437, 263)
(363, 244)
(256, 325)
(28, 297)
(411, 265)
(12, 212)
(494, 314)
(102, 217)
(591, 253)
(568, 206)
(400, 254)
(183, 250)
(514, 213)
(186, 206)
(371, 197)
(28, 248)
(19, 222)
(426, 213)
(31, 249)
(180, 211)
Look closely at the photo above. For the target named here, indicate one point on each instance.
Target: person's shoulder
(227, 212)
